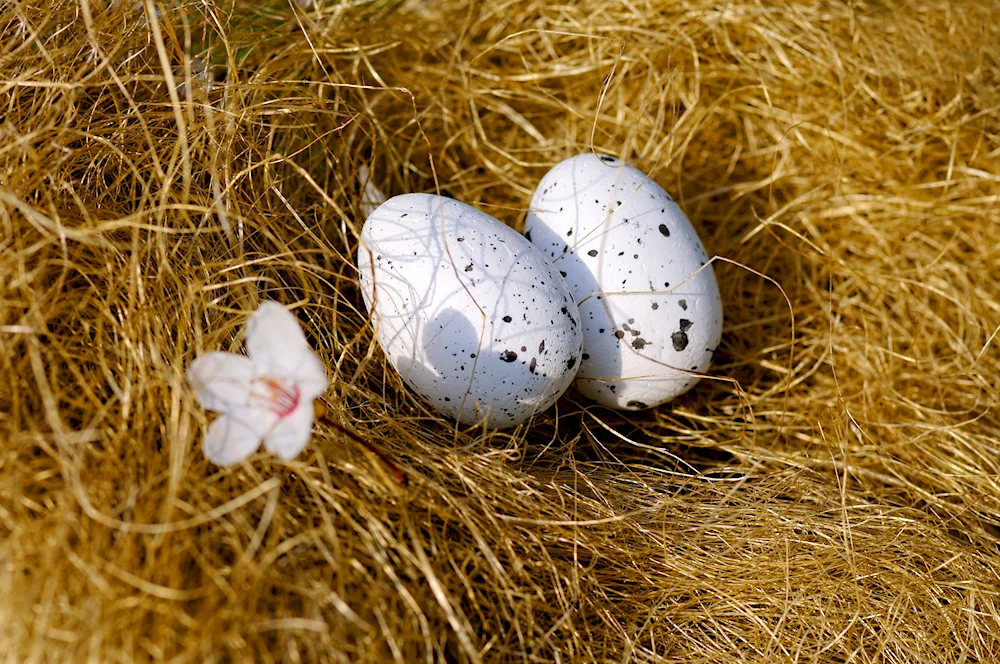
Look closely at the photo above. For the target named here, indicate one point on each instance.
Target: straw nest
(830, 495)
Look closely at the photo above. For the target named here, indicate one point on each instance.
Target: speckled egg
(474, 317)
(652, 315)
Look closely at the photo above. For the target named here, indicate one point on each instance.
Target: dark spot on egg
(680, 340)
(461, 239)
(639, 343)
(562, 273)
(507, 319)
(508, 356)
(655, 306)
(569, 232)
(619, 334)
(524, 349)
(592, 253)
(541, 346)
(685, 325)
(607, 159)
(664, 230)
(468, 268)
(636, 404)
(531, 367)
(683, 304)
(570, 363)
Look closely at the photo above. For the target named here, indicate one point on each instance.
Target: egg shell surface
(475, 319)
(650, 304)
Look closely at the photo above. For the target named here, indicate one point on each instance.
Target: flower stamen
(276, 395)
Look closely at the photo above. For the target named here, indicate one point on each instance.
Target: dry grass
(833, 497)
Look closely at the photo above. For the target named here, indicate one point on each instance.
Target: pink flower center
(280, 397)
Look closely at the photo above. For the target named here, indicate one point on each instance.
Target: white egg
(474, 317)
(652, 315)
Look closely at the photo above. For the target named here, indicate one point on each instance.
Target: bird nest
(829, 493)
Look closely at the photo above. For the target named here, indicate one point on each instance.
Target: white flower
(268, 395)
(371, 196)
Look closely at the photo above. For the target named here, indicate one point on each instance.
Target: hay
(831, 495)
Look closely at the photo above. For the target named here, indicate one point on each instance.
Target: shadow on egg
(441, 371)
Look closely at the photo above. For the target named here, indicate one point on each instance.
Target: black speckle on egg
(570, 363)
(683, 304)
(541, 346)
(569, 232)
(524, 349)
(468, 268)
(664, 230)
(562, 273)
(592, 253)
(461, 239)
(666, 284)
(655, 306)
(680, 340)
(507, 319)
(685, 325)
(607, 159)
(534, 363)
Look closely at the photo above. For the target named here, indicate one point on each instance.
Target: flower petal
(221, 381)
(291, 433)
(310, 376)
(229, 441)
(274, 339)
